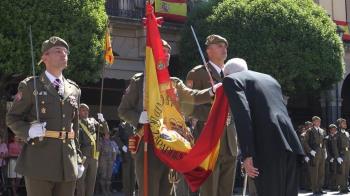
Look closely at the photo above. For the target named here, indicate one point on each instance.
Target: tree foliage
(293, 40)
(81, 23)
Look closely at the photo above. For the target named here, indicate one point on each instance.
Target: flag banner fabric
(109, 57)
(171, 10)
(170, 137)
(345, 26)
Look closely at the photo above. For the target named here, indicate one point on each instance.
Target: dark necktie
(57, 85)
(222, 74)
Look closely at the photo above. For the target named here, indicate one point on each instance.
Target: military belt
(59, 134)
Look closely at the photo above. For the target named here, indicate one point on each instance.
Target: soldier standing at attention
(317, 152)
(221, 181)
(128, 164)
(49, 160)
(88, 146)
(333, 154)
(107, 157)
(344, 155)
(131, 111)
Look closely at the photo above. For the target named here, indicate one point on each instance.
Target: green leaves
(293, 40)
(81, 23)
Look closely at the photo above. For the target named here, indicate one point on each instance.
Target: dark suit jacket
(263, 126)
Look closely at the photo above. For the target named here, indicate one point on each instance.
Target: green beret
(83, 105)
(166, 44)
(215, 39)
(52, 42)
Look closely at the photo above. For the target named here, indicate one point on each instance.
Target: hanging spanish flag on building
(345, 27)
(109, 57)
(171, 10)
(167, 125)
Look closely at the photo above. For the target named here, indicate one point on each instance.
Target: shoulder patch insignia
(189, 83)
(18, 96)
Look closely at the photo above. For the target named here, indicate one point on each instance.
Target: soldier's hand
(125, 149)
(249, 167)
(313, 153)
(214, 88)
(340, 160)
(325, 155)
(143, 118)
(331, 160)
(81, 169)
(37, 130)
(100, 117)
(307, 159)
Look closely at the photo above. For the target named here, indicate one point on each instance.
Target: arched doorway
(345, 95)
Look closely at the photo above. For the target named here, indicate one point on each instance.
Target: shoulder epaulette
(198, 67)
(72, 82)
(30, 78)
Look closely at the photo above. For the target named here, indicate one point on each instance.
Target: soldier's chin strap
(174, 180)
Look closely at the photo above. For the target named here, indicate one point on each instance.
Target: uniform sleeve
(77, 130)
(194, 80)
(334, 146)
(306, 143)
(191, 96)
(17, 117)
(117, 139)
(241, 112)
(128, 109)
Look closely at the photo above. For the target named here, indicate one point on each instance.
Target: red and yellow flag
(169, 133)
(109, 57)
(345, 27)
(171, 10)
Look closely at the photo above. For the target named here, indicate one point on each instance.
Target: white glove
(313, 153)
(340, 160)
(125, 149)
(307, 159)
(325, 155)
(100, 117)
(37, 130)
(143, 118)
(214, 88)
(81, 169)
(331, 160)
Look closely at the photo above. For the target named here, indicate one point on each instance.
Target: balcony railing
(126, 8)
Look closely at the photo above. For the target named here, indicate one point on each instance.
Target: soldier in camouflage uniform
(49, 160)
(344, 155)
(89, 127)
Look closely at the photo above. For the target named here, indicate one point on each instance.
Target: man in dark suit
(268, 141)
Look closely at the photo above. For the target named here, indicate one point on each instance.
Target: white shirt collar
(216, 67)
(52, 78)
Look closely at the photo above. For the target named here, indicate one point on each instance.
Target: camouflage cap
(52, 42)
(215, 39)
(166, 44)
(332, 126)
(83, 105)
(308, 123)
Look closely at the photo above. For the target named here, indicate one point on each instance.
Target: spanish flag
(171, 10)
(167, 125)
(109, 57)
(345, 27)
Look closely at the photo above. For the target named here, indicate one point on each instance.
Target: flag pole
(146, 131)
(101, 97)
